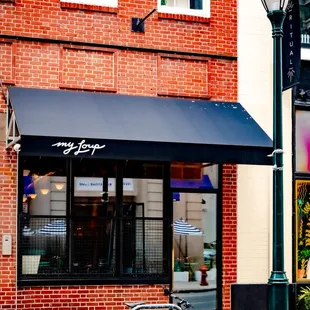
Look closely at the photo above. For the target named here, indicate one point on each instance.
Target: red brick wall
(87, 297)
(104, 68)
(8, 226)
(229, 246)
(47, 19)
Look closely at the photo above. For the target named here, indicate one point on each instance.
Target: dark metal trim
(293, 185)
(301, 105)
(20, 193)
(219, 240)
(119, 47)
(70, 201)
(168, 214)
(301, 176)
(119, 222)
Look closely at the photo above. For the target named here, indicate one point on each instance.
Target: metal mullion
(219, 240)
(69, 202)
(119, 218)
(168, 214)
(20, 193)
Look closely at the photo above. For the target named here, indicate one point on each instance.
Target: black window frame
(118, 278)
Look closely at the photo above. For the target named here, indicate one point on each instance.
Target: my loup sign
(291, 46)
(79, 147)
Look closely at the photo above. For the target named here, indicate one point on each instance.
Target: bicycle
(181, 303)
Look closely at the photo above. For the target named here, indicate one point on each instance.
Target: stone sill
(183, 17)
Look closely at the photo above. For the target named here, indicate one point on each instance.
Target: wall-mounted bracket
(137, 24)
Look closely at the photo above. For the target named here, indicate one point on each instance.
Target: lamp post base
(278, 291)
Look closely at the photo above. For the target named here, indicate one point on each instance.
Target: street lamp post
(278, 282)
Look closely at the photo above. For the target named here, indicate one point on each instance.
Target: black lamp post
(278, 282)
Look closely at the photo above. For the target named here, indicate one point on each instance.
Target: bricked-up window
(186, 7)
(109, 3)
(97, 233)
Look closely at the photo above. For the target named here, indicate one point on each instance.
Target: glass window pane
(302, 141)
(93, 211)
(182, 3)
(43, 222)
(194, 175)
(196, 4)
(303, 229)
(305, 17)
(192, 250)
(170, 3)
(142, 223)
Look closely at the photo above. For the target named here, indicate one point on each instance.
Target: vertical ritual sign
(291, 46)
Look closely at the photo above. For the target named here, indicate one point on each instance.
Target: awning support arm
(12, 133)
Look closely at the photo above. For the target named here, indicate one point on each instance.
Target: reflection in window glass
(186, 4)
(43, 224)
(90, 236)
(194, 175)
(93, 212)
(192, 250)
(143, 220)
(303, 229)
(304, 17)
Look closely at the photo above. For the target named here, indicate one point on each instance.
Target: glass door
(194, 246)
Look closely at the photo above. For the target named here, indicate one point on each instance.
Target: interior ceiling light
(59, 186)
(44, 191)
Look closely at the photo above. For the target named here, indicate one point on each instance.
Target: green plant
(178, 265)
(304, 297)
(303, 257)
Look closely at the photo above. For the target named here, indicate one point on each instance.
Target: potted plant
(180, 275)
(303, 299)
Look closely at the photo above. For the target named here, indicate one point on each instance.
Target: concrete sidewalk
(193, 286)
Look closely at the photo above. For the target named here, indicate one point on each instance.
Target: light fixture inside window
(32, 196)
(59, 186)
(44, 191)
(24, 198)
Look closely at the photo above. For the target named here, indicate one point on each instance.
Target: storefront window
(92, 217)
(143, 223)
(302, 141)
(43, 222)
(195, 239)
(304, 17)
(96, 229)
(303, 229)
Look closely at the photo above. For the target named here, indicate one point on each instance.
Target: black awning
(68, 123)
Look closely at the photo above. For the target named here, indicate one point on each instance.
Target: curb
(194, 290)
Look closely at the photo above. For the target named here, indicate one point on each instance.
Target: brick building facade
(79, 47)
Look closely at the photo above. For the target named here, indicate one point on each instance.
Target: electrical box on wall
(6, 244)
